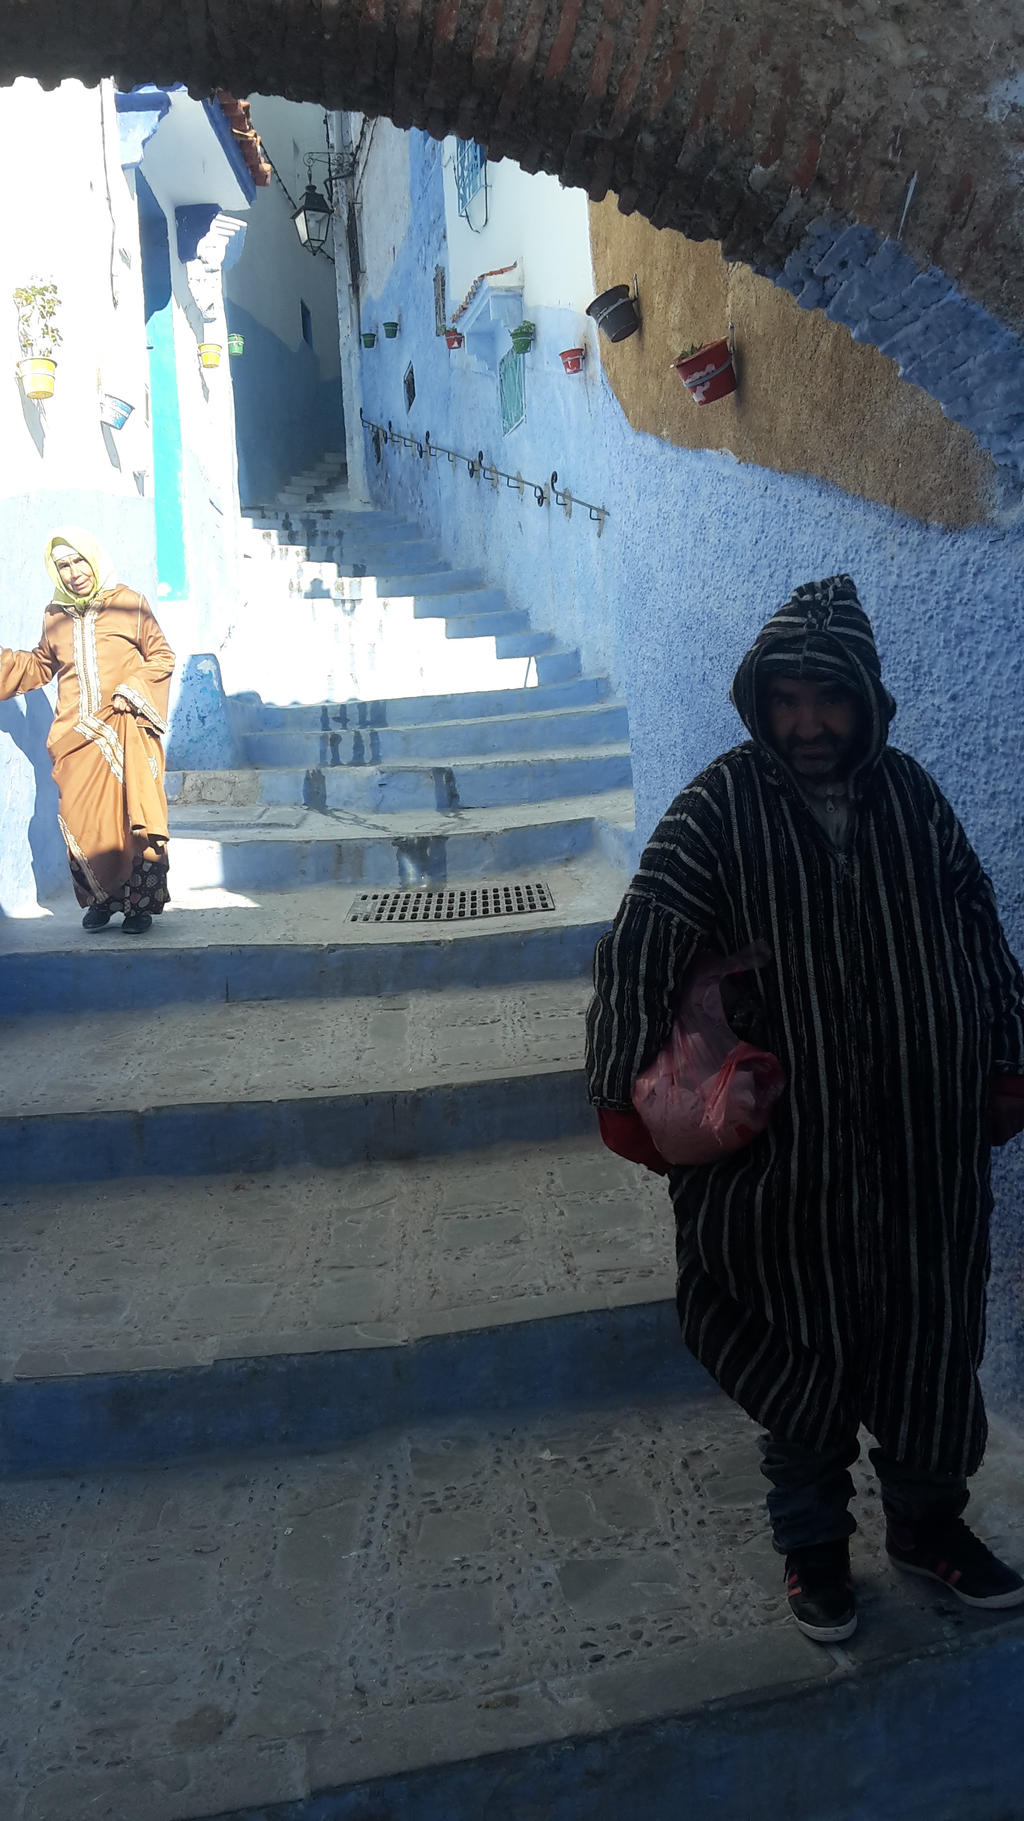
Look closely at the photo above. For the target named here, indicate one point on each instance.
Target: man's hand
(1007, 1107)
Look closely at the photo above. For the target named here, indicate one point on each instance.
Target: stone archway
(868, 164)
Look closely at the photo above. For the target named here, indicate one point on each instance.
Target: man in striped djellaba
(832, 1272)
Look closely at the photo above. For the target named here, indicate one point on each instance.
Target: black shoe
(821, 1591)
(951, 1553)
(96, 917)
(137, 924)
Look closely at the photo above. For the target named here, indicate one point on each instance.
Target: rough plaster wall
(810, 400)
(274, 270)
(558, 571)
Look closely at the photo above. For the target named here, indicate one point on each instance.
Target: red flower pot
(572, 359)
(453, 338)
(708, 374)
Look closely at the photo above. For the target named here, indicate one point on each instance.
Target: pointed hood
(822, 634)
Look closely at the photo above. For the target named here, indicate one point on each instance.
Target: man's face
(815, 727)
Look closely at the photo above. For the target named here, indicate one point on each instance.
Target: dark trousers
(811, 1492)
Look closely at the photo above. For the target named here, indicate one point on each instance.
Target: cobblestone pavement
(169, 1271)
(184, 1641)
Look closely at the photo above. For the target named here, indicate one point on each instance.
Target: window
(440, 302)
(307, 322)
(512, 389)
(470, 172)
(409, 383)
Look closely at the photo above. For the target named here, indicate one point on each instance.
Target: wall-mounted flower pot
(114, 411)
(391, 330)
(369, 338)
(572, 359)
(236, 343)
(36, 376)
(709, 373)
(615, 313)
(454, 338)
(210, 353)
(522, 337)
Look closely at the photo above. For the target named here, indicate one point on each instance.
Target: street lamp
(313, 218)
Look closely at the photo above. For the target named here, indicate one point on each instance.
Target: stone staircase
(353, 1466)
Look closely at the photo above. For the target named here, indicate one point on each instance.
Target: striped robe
(834, 1272)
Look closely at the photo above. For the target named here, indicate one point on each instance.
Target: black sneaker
(821, 1591)
(137, 924)
(96, 917)
(951, 1553)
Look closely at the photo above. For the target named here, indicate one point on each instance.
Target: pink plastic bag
(707, 1093)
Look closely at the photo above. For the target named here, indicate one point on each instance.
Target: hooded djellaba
(113, 667)
(833, 1272)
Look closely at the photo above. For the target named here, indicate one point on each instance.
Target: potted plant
(369, 338)
(236, 342)
(454, 337)
(707, 371)
(209, 353)
(38, 337)
(572, 359)
(114, 411)
(391, 330)
(522, 336)
(615, 313)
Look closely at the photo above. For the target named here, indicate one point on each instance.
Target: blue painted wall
(286, 416)
(697, 552)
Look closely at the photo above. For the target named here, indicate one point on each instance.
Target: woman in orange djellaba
(113, 668)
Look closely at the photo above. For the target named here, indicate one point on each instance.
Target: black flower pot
(615, 313)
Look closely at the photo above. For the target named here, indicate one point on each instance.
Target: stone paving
(213, 1054)
(182, 1642)
(165, 1272)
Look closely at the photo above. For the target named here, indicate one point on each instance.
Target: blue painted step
(325, 1130)
(469, 783)
(403, 711)
(318, 850)
(92, 977)
(602, 724)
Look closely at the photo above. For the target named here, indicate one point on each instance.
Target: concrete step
(527, 644)
(269, 848)
(216, 947)
(331, 1261)
(558, 666)
(396, 711)
(598, 724)
(479, 604)
(569, 1614)
(442, 581)
(467, 784)
(286, 1083)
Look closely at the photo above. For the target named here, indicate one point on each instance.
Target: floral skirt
(145, 889)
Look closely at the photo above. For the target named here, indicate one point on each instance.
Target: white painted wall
(275, 270)
(529, 218)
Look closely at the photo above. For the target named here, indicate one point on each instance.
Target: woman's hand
(122, 704)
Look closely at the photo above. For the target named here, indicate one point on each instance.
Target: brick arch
(869, 163)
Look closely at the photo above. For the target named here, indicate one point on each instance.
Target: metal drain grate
(450, 904)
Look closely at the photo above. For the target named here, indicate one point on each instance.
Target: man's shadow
(27, 720)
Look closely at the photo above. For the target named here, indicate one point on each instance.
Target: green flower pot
(391, 330)
(236, 343)
(369, 338)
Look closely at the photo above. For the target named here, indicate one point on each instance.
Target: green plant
(38, 334)
(694, 348)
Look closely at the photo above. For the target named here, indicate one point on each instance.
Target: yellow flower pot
(209, 353)
(36, 376)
